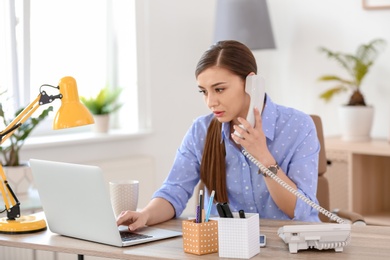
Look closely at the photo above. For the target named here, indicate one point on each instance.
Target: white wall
(179, 32)
(174, 33)
(301, 26)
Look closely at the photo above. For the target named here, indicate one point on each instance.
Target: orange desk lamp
(71, 113)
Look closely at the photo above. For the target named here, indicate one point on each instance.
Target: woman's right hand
(133, 219)
(158, 210)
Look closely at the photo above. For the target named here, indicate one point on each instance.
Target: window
(90, 40)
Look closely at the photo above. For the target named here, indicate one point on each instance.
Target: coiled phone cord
(331, 245)
(263, 169)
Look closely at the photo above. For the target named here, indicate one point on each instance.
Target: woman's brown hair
(237, 58)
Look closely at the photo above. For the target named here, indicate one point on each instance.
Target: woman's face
(224, 94)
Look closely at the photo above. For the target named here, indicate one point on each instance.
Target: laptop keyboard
(129, 236)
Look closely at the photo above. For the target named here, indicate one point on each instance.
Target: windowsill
(49, 141)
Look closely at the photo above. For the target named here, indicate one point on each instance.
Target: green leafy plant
(11, 148)
(357, 66)
(105, 102)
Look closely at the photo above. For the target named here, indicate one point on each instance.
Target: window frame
(22, 91)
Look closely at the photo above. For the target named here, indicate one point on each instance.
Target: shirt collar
(269, 117)
(225, 131)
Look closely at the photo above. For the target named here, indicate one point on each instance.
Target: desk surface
(369, 242)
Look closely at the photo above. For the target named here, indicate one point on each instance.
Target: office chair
(323, 184)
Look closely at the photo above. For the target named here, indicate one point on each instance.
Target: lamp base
(22, 225)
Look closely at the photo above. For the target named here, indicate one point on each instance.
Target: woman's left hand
(253, 139)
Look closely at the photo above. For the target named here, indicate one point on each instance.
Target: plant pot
(356, 122)
(20, 179)
(102, 123)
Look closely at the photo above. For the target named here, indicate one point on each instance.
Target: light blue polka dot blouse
(292, 140)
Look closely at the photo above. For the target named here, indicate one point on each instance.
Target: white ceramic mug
(124, 195)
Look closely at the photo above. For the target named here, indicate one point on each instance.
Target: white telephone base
(321, 236)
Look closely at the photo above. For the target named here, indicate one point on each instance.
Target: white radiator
(141, 168)
(10, 253)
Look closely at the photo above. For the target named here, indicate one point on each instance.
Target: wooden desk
(368, 177)
(369, 242)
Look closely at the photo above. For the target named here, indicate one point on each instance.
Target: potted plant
(101, 106)
(17, 172)
(356, 116)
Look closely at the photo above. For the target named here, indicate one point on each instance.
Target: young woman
(282, 138)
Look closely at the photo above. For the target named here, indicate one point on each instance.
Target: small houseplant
(356, 116)
(18, 173)
(105, 102)
(357, 66)
(11, 148)
(102, 105)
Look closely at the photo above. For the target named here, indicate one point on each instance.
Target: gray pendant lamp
(246, 21)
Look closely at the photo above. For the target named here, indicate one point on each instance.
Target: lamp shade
(72, 112)
(246, 21)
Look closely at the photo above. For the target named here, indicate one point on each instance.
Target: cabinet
(359, 177)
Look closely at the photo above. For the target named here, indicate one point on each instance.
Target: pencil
(197, 217)
(209, 206)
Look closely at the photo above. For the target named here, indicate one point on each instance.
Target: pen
(209, 206)
(200, 206)
(226, 210)
(221, 213)
(241, 213)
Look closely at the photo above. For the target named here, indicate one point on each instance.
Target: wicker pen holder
(200, 238)
(239, 237)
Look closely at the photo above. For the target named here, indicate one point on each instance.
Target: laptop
(77, 204)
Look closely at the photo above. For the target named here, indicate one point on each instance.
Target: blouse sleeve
(303, 171)
(179, 185)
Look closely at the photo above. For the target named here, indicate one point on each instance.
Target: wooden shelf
(380, 147)
(367, 177)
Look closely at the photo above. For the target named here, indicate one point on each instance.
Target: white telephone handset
(255, 88)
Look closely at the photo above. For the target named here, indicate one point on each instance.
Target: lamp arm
(11, 201)
(26, 113)
(19, 120)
